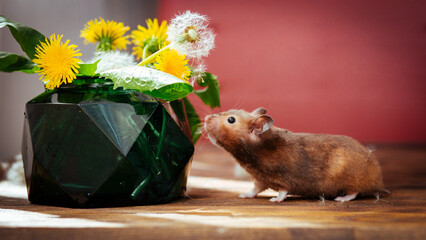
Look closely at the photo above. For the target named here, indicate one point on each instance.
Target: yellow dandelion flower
(57, 61)
(149, 39)
(172, 63)
(109, 34)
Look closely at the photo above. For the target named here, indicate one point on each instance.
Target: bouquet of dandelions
(170, 58)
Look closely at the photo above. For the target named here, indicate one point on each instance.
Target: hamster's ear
(259, 111)
(261, 124)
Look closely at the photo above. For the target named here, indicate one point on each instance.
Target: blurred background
(355, 67)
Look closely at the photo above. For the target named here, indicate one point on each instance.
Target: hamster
(309, 165)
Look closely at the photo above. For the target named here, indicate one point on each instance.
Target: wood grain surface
(212, 210)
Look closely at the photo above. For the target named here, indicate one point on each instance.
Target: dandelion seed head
(200, 68)
(190, 35)
(198, 72)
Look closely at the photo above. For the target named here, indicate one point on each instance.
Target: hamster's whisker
(241, 100)
(203, 130)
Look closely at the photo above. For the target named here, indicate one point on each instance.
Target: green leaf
(87, 69)
(150, 81)
(192, 116)
(27, 37)
(211, 94)
(32, 70)
(10, 62)
(193, 119)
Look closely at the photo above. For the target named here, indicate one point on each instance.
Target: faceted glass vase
(88, 145)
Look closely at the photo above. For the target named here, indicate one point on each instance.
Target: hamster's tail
(384, 191)
(381, 192)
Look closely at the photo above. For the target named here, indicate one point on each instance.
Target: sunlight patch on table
(226, 185)
(13, 190)
(20, 218)
(234, 222)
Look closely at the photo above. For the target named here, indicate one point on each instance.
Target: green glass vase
(88, 145)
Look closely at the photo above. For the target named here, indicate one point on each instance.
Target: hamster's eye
(231, 120)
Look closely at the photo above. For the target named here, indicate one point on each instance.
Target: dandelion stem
(160, 145)
(152, 56)
(141, 187)
(145, 51)
(105, 44)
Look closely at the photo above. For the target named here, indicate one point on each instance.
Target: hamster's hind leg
(346, 198)
(258, 188)
(282, 194)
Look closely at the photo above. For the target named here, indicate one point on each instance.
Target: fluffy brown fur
(310, 165)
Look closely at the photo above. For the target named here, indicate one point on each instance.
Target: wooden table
(212, 209)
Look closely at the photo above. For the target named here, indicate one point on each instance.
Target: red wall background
(356, 68)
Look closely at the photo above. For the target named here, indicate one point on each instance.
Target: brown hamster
(309, 165)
